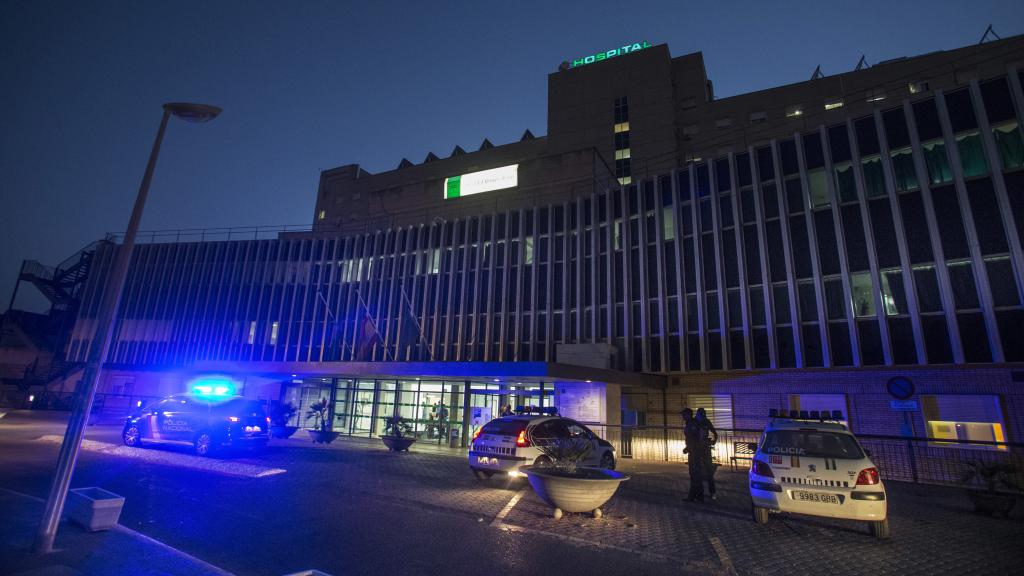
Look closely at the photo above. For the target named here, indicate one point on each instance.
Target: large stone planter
(282, 432)
(398, 444)
(320, 437)
(586, 492)
(94, 508)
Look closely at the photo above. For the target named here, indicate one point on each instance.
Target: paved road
(353, 508)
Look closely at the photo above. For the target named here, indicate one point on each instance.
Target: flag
(412, 331)
(366, 334)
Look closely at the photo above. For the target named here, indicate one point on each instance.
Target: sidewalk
(78, 552)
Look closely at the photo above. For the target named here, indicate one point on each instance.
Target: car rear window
(811, 443)
(504, 427)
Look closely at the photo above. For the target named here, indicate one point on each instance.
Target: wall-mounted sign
(627, 49)
(900, 387)
(483, 181)
(903, 405)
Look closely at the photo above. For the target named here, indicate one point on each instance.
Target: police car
(504, 444)
(810, 463)
(205, 422)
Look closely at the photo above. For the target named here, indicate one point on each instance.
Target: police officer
(692, 434)
(708, 438)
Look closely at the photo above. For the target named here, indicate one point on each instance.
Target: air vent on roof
(458, 151)
(405, 163)
(486, 145)
(527, 135)
(430, 157)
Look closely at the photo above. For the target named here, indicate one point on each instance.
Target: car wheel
(130, 435)
(482, 474)
(880, 528)
(760, 515)
(608, 461)
(203, 444)
(542, 461)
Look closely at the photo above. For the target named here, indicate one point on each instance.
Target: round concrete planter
(282, 432)
(586, 492)
(398, 444)
(323, 437)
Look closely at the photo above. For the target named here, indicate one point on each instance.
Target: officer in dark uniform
(693, 435)
(708, 438)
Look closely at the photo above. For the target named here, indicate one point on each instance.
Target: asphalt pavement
(354, 508)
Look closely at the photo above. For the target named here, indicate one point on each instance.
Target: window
(845, 182)
(917, 87)
(723, 122)
(936, 161)
(893, 298)
(972, 156)
(717, 406)
(252, 332)
(758, 117)
(903, 171)
(273, 333)
(622, 127)
(794, 111)
(833, 104)
(322, 215)
(963, 417)
(818, 186)
(820, 403)
(1009, 144)
(863, 294)
(622, 154)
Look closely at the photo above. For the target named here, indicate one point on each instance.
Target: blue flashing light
(213, 388)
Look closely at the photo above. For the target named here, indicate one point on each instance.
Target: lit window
(323, 214)
(794, 111)
(273, 333)
(758, 117)
(903, 169)
(936, 161)
(435, 261)
(622, 127)
(668, 225)
(625, 180)
(717, 406)
(917, 87)
(1009, 144)
(528, 253)
(252, 332)
(972, 155)
(876, 95)
(817, 182)
(833, 105)
(965, 418)
(622, 154)
(863, 294)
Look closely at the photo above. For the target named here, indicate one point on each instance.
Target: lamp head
(192, 112)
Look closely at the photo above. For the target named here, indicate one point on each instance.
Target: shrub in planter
(566, 485)
(992, 487)
(320, 433)
(280, 414)
(397, 434)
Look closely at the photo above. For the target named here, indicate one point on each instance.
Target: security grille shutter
(717, 406)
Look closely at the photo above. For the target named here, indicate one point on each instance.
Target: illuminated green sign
(627, 49)
(483, 181)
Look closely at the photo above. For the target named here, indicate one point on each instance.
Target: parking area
(352, 502)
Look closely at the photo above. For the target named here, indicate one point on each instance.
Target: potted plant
(397, 434)
(991, 487)
(280, 414)
(564, 484)
(321, 432)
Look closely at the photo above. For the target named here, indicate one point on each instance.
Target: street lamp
(106, 320)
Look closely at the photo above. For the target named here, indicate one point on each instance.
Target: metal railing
(909, 459)
(212, 234)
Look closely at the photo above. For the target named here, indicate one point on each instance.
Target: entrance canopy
(490, 372)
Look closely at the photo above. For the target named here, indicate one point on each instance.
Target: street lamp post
(106, 321)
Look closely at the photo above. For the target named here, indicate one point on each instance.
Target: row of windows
(623, 170)
(772, 290)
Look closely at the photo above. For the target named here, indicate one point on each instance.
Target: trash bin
(456, 433)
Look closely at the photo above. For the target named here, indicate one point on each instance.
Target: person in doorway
(708, 438)
(506, 410)
(692, 436)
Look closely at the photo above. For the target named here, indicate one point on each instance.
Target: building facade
(796, 247)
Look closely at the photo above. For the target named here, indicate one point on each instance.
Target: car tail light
(761, 469)
(233, 418)
(867, 477)
(522, 441)
(477, 433)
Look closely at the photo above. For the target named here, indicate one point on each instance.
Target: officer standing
(693, 435)
(708, 438)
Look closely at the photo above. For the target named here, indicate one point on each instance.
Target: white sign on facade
(483, 181)
(581, 402)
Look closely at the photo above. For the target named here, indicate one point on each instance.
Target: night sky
(308, 86)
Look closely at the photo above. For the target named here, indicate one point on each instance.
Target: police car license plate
(816, 497)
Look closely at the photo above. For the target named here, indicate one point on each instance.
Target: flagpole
(373, 324)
